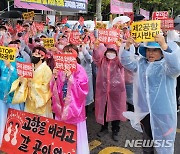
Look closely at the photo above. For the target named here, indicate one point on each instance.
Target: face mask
(35, 60)
(41, 43)
(51, 30)
(110, 55)
(60, 46)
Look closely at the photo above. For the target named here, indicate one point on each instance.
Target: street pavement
(106, 145)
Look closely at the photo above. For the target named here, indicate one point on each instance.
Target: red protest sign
(108, 36)
(167, 24)
(24, 70)
(160, 15)
(65, 62)
(30, 133)
(75, 37)
(39, 26)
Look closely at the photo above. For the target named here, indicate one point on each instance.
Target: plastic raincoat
(35, 92)
(154, 93)
(110, 87)
(86, 60)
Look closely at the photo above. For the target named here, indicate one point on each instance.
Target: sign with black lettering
(30, 133)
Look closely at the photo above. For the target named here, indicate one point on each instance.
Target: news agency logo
(149, 143)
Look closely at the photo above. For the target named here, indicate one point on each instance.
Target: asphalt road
(106, 145)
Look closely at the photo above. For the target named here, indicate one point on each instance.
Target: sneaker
(115, 136)
(102, 132)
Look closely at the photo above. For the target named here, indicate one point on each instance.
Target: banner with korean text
(160, 15)
(30, 133)
(48, 42)
(7, 53)
(145, 31)
(65, 62)
(28, 15)
(24, 69)
(108, 36)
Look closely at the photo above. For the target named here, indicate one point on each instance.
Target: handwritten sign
(75, 38)
(7, 53)
(167, 24)
(29, 133)
(24, 70)
(65, 62)
(108, 36)
(48, 42)
(145, 31)
(160, 15)
(28, 15)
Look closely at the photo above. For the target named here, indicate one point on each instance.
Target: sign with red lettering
(30, 133)
(65, 62)
(75, 38)
(24, 69)
(167, 24)
(108, 36)
(160, 15)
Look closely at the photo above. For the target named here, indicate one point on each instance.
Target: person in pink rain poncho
(110, 99)
(69, 97)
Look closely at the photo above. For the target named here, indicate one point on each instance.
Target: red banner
(167, 24)
(160, 15)
(29, 133)
(108, 36)
(65, 62)
(39, 26)
(24, 70)
(75, 38)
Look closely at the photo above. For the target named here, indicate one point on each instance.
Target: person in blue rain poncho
(8, 74)
(154, 93)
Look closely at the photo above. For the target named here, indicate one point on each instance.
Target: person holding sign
(35, 92)
(110, 98)
(8, 74)
(154, 92)
(69, 98)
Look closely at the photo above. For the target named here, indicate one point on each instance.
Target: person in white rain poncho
(154, 93)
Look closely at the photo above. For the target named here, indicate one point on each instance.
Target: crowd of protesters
(115, 77)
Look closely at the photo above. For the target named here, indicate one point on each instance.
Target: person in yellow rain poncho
(35, 92)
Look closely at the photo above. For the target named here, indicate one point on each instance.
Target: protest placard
(75, 38)
(145, 31)
(28, 15)
(30, 133)
(108, 36)
(160, 15)
(7, 53)
(48, 42)
(167, 24)
(65, 62)
(24, 69)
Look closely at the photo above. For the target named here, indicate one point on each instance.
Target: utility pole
(98, 10)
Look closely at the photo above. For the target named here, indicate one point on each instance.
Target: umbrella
(177, 19)
(121, 19)
(11, 14)
(138, 17)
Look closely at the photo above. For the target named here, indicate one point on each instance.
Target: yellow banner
(49, 2)
(100, 25)
(7, 53)
(48, 42)
(28, 15)
(145, 31)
